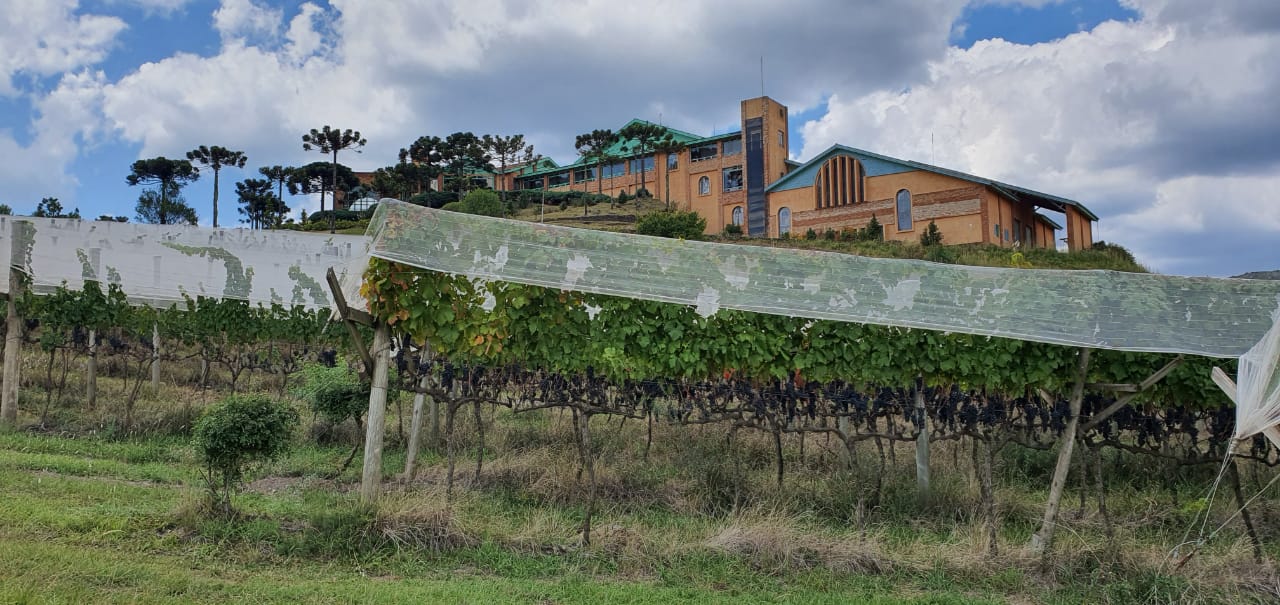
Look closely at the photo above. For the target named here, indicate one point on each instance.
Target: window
(639, 164)
(704, 186)
(784, 221)
(1028, 236)
(838, 182)
(613, 170)
(904, 210)
(584, 174)
(997, 231)
(673, 161)
(782, 139)
(732, 147)
(531, 183)
(703, 152)
(732, 178)
(1017, 230)
(737, 215)
(558, 179)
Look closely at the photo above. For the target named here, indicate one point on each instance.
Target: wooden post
(91, 365)
(375, 424)
(922, 444)
(1043, 538)
(91, 371)
(415, 426)
(155, 357)
(13, 327)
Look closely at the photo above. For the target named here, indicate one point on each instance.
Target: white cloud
(47, 38)
(237, 20)
(1161, 126)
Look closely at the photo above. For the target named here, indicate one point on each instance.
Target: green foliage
(732, 230)
(333, 393)
(433, 199)
(6, 210)
(50, 207)
(811, 234)
(873, 232)
(157, 209)
(480, 201)
(932, 236)
(238, 431)
(259, 204)
(672, 223)
(623, 197)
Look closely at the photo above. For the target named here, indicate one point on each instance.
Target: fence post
(13, 327)
(375, 425)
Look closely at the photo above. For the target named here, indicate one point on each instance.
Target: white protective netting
(159, 264)
(1097, 309)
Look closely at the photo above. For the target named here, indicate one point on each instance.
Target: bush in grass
(333, 393)
(672, 223)
(480, 201)
(732, 230)
(236, 432)
(932, 236)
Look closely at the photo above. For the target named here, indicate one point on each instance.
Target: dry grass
(419, 524)
(772, 543)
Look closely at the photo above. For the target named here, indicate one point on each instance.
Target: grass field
(86, 518)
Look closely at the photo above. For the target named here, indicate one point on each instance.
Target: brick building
(745, 178)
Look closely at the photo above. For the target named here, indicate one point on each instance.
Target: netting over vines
(1096, 309)
(159, 264)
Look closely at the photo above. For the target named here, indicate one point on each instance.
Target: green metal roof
(737, 134)
(618, 150)
(796, 178)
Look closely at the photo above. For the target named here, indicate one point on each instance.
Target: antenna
(932, 158)
(762, 75)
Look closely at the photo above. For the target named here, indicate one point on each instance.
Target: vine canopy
(1226, 318)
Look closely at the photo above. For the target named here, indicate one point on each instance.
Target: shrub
(333, 393)
(733, 230)
(643, 193)
(932, 236)
(433, 199)
(322, 216)
(873, 232)
(811, 234)
(672, 223)
(484, 202)
(829, 234)
(236, 432)
(623, 197)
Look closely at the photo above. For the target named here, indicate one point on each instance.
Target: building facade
(744, 178)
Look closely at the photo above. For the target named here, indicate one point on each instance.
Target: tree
(278, 175)
(157, 209)
(107, 218)
(5, 210)
(317, 177)
(640, 138)
(259, 205)
(330, 141)
(170, 176)
(216, 158)
(594, 147)
(668, 145)
(422, 162)
(462, 155)
(932, 236)
(50, 207)
(507, 150)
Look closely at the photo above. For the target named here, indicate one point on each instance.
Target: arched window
(737, 215)
(904, 210)
(704, 186)
(784, 221)
(838, 182)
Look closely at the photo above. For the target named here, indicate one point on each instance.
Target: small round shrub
(236, 432)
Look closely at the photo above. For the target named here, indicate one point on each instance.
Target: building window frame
(737, 216)
(704, 186)
(784, 221)
(673, 161)
(728, 180)
(726, 151)
(902, 208)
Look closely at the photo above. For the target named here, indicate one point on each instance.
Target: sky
(1159, 115)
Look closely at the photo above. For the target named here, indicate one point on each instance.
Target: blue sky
(1091, 99)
